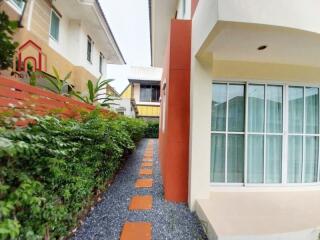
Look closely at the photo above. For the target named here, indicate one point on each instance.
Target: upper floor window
(101, 63)
(54, 25)
(89, 49)
(19, 4)
(149, 93)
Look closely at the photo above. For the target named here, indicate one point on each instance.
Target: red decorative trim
(30, 42)
(34, 60)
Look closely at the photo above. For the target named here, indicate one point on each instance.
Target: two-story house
(144, 90)
(240, 117)
(73, 36)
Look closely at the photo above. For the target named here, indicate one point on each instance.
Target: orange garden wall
(175, 111)
(18, 97)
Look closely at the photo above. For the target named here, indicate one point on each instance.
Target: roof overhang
(150, 82)
(90, 13)
(161, 14)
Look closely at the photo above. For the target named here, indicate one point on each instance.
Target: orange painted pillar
(175, 112)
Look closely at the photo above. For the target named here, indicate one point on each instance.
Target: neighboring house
(122, 106)
(239, 125)
(144, 91)
(73, 36)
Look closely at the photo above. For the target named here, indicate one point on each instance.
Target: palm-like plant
(94, 95)
(57, 83)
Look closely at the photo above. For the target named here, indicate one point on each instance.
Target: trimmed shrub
(50, 171)
(152, 130)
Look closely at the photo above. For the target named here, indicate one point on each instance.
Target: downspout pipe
(22, 14)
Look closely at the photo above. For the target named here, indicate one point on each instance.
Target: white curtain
(295, 109)
(218, 157)
(219, 107)
(236, 102)
(311, 157)
(235, 158)
(255, 158)
(256, 108)
(273, 159)
(312, 111)
(274, 109)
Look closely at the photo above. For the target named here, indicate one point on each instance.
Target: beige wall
(265, 71)
(205, 68)
(39, 33)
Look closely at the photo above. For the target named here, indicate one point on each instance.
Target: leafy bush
(50, 171)
(152, 130)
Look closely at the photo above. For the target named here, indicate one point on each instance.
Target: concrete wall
(174, 130)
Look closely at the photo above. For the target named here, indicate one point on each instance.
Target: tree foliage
(7, 45)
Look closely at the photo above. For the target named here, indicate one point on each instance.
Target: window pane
(89, 46)
(274, 109)
(312, 110)
(294, 159)
(236, 103)
(155, 93)
(235, 158)
(255, 158)
(256, 108)
(295, 109)
(54, 28)
(219, 105)
(273, 159)
(19, 3)
(311, 159)
(145, 93)
(218, 142)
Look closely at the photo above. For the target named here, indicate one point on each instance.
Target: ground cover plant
(152, 130)
(50, 170)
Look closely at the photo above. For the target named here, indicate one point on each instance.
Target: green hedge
(50, 171)
(152, 130)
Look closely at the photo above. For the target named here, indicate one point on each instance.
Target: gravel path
(169, 220)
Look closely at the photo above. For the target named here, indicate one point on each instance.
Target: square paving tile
(147, 159)
(141, 202)
(144, 183)
(147, 164)
(145, 171)
(136, 231)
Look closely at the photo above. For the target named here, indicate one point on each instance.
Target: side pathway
(134, 208)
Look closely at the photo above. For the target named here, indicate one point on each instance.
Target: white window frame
(101, 61)
(17, 8)
(285, 134)
(89, 39)
(57, 15)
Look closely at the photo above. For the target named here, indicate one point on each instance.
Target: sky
(129, 22)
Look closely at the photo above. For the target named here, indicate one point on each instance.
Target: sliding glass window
(264, 134)
(228, 103)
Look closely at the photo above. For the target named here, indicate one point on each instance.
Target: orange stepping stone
(147, 164)
(136, 231)
(145, 171)
(144, 183)
(147, 159)
(141, 202)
